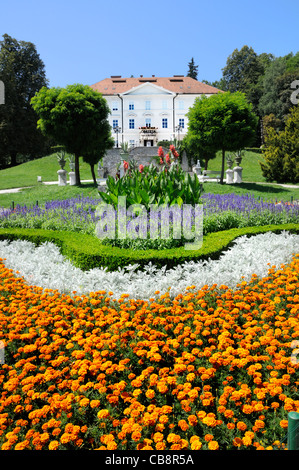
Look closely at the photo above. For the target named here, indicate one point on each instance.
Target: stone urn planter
(61, 159)
(229, 162)
(238, 157)
(71, 160)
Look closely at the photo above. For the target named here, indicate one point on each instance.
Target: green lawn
(250, 163)
(47, 167)
(26, 174)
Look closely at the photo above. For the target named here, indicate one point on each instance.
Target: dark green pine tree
(193, 69)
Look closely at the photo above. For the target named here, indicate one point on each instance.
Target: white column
(238, 174)
(72, 176)
(62, 177)
(229, 176)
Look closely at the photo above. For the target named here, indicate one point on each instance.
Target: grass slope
(26, 174)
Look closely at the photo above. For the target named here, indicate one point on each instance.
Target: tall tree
(193, 69)
(277, 87)
(270, 101)
(23, 74)
(242, 73)
(224, 121)
(74, 116)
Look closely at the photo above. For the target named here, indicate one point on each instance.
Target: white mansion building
(145, 111)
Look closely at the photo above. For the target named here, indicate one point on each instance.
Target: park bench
(208, 175)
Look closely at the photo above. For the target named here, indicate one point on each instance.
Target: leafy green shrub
(281, 153)
(87, 252)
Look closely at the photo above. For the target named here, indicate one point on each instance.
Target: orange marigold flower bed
(214, 369)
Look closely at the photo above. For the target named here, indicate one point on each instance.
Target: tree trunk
(206, 163)
(93, 174)
(13, 159)
(77, 170)
(222, 168)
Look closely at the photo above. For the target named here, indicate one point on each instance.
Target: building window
(115, 106)
(148, 122)
(182, 122)
(147, 105)
(131, 105)
(164, 123)
(131, 123)
(115, 123)
(132, 143)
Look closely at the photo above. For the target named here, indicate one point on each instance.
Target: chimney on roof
(153, 75)
(141, 76)
(115, 76)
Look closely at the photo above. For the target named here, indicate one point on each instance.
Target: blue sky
(87, 41)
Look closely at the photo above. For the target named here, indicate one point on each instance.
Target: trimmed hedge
(87, 252)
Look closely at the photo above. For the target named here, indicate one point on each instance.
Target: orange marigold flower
(237, 442)
(160, 446)
(192, 420)
(94, 403)
(284, 423)
(213, 445)
(53, 445)
(150, 394)
(173, 438)
(102, 414)
(259, 424)
(158, 437)
(230, 426)
(136, 435)
(241, 426)
(247, 441)
(196, 445)
(183, 425)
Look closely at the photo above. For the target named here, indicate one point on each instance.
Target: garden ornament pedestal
(197, 168)
(238, 174)
(101, 172)
(62, 177)
(229, 176)
(72, 176)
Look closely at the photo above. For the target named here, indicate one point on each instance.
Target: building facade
(145, 111)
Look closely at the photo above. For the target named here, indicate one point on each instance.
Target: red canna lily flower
(126, 165)
(141, 168)
(161, 152)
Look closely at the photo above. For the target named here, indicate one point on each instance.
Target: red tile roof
(176, 84)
